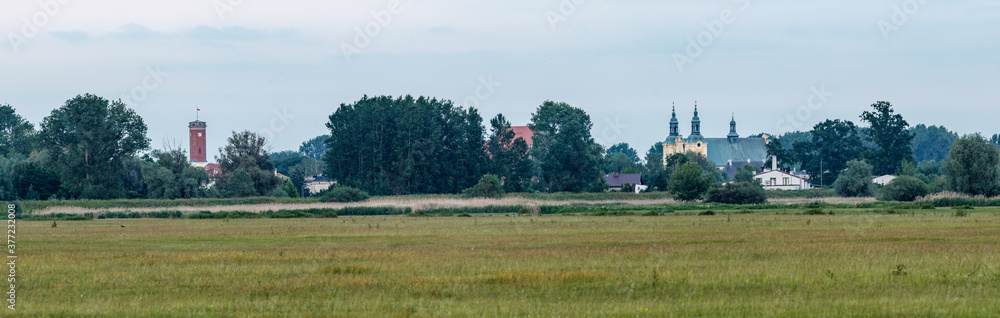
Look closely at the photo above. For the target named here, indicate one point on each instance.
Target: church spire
(695, 126)
(733, 136)
(674, 124)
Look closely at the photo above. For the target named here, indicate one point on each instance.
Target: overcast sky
(280, 68)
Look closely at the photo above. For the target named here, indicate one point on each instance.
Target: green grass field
(919, 264)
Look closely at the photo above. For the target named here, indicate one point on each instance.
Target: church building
(728, 153)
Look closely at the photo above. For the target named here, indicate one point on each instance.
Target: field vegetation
(814, 260)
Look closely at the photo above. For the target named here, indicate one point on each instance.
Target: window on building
(774, 181)
(786, 180)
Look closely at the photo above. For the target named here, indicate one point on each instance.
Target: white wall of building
(780, 180)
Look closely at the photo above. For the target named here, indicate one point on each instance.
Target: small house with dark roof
(617, 181)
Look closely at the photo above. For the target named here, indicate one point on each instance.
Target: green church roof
(720, 150)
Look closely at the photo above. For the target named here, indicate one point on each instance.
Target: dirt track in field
(415, 204)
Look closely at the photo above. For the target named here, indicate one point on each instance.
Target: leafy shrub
(226, 215)
(141, 215)
(816, 205)
(900, 270)
(689, 182)
(856, 181)
(903, 188)
(709, 212)
(964, 207)
(737, 193)
(613, 213)
(378, 210)
(464, 215)
(488, 187)
(329, 215)
(651, 213)
(927, 206)
(288, 214)
(344, 194)
(489, 209)
(814, 212)
(74, 218)
(278, 193)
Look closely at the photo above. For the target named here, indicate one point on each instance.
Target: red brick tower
(198, 151)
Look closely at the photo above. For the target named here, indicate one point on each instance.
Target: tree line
(406, 145)
(94, 148)
(926, 159)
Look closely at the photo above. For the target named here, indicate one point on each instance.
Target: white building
(883, 180)
(315, 184)
(775, 179)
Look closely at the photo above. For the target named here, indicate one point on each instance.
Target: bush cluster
(488, 187)
(737, 193)
(903, 188)
(856, 181)
(344, 194)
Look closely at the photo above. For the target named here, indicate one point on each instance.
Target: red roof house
(523, 132)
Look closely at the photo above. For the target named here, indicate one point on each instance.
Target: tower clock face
(199, 134)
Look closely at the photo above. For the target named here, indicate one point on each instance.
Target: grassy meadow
(917, 264)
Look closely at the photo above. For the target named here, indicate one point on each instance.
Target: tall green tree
(621, 163)
(623, 148)
(290, 189)
(248, 151)
(171, 176)
(654, 174)
(16, 133)
(833, 144)
(690, 182)
(240, 184)
(786, 156)
(298, 181)
(973, 166)
(315, 148)
(676, 161)
(287, 161)
(508, 156)
(30, 176)
(892, 138)
(89, 138)
(622, 159)
(569, 157)
(931, 143)
(385, 145)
